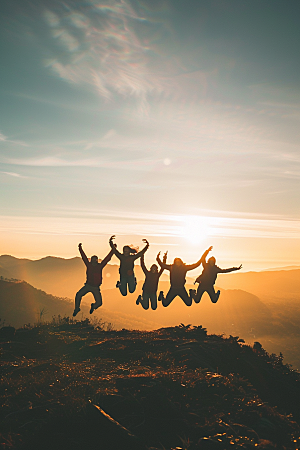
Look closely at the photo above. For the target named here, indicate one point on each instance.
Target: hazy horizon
(117, 263)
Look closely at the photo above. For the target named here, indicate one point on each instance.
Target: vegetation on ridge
(171, 388)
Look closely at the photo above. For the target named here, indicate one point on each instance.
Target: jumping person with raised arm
(127, 258)
(151, 284)
(208, 278)
(93, 280)
(178, 272)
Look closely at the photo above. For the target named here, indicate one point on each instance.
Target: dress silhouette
(178, 272)
(127, 258)
(151, 284)
(93, 280)
(208, 278)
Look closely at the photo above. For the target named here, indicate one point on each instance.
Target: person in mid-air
(208, 278)
(151, 284)
(127, 258)
(93, 280)
(178, 272)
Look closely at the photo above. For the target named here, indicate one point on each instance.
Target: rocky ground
(74, 385)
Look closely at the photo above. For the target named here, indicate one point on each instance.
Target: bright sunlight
(195, 229)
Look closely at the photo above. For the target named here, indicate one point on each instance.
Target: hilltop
(68, 385)
(236, 313)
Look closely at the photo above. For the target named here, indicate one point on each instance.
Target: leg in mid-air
(83, 291)
(153, 300)
(143, 300)
(161, 296)
(173, 292)
(214, 296)
(182, 293)
(200, 291)
(131, 280)
(98, 299)
(122, 285)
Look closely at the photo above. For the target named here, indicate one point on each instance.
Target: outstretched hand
(165, 257)
(210, 248)
(238, 268)
(80, 245)
(112, 237)
(146, 242)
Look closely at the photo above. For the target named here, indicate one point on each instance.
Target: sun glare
(195, 229)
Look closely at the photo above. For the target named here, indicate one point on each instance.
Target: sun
(195, 229)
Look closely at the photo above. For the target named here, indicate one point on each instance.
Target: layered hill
(63, 277)
(272, 285)
(57, 276)
(237, 312)
(21, 303)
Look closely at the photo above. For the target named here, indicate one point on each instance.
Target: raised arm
(141, 253)
(203, 257)
(162, 264)
(193, 266)
(107, 258)
(144, 268)
(83, 255)
(201, 260)
(114, 247)
(231, 269)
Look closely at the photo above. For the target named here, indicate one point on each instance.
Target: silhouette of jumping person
(151, 284)
(93, 280)
(127, 258)
(178, 272)
(208, 278)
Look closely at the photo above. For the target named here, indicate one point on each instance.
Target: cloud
(100, 47)
(13, 174)
(52, 161)
(131, 223)
(5, 139)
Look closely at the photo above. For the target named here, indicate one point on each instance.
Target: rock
(112, 435)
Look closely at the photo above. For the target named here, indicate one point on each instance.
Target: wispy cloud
(5, 139)
(145, 224)
(14, 174)
(49, 161)
(104, 50)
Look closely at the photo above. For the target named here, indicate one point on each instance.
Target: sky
(176, 121)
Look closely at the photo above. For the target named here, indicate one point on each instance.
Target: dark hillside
(21, 303)
(70, 385)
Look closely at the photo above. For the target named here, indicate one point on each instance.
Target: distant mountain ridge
(237, 312)
(63, 277)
